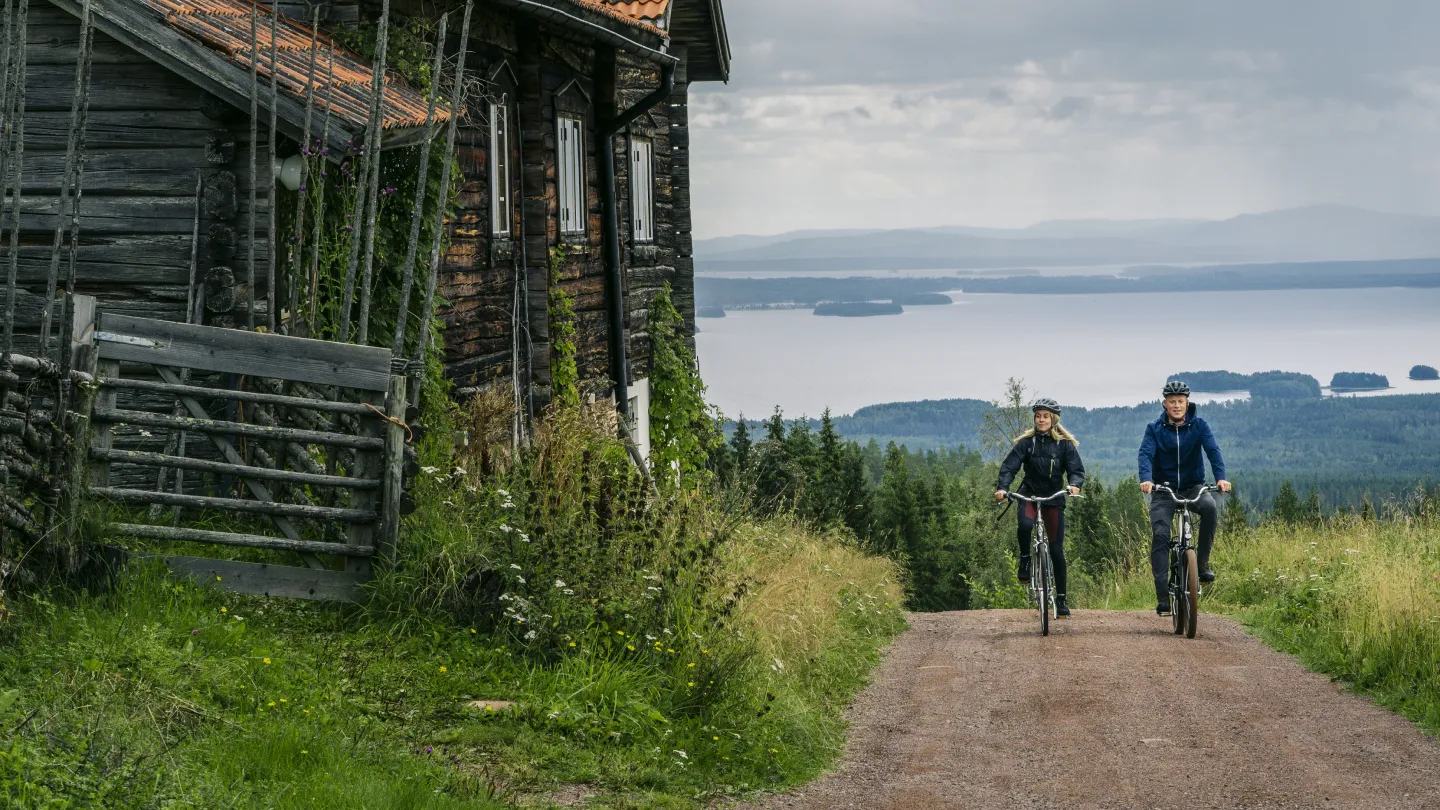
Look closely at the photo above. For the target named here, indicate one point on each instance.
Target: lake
(1087, 350)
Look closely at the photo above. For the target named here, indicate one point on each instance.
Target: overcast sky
(898, 113)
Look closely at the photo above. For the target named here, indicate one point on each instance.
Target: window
(570, 175)
(642, 191)
(500, 211)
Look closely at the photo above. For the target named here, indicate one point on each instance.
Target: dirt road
(976, 710)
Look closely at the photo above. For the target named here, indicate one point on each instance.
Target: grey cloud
(999, 96)
(1067, 108)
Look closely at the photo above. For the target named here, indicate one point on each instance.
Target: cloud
(848, 113)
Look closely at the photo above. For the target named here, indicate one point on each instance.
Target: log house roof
(209, 42)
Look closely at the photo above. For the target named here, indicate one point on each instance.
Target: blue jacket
(1171, 453)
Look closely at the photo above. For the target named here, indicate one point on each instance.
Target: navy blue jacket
(1171, 453)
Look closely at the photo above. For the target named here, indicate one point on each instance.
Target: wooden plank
(108, 129)
(393, 467)
(181, 534)
(237, 470)
(115, 215)
(167, 172)
(268, 580)
(51, 44)
(307, 403)
(223, 428)
(248, 353)
(233, 456)
(115, 87)
(241, 505)
(103, 435)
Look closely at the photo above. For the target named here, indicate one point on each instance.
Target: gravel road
(977, 710)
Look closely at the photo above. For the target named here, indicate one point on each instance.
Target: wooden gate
(305, 437)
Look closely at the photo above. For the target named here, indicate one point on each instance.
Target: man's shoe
(1024, 573)
(1162, 608)
(1061, 609)
(1207, 574)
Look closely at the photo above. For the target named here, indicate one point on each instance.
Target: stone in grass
(489, 705)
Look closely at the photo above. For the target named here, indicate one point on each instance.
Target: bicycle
(1042, 572)
(1184, 581)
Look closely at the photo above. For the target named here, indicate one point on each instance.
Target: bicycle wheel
(1192, 593)
(1042, 572)
(1177, 604)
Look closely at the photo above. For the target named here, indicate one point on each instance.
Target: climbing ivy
(564, 373)
(683, 430)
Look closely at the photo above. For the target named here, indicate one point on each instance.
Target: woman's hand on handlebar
(1074, 491)
(1000, 495)
(1147, 486)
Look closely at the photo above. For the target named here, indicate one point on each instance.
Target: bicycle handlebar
(1175, 497)
(1015, 496)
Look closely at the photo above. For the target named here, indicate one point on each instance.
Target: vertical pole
(297, 241)
(62, 204)
(320, 205)
(254, 158)
(14, 155)
(271, 299)
(422, 181)
(437, 229)
(365, 193)
(372, 205)
(393, 472)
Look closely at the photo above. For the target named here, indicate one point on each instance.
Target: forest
(1343, 447)
(933, 511)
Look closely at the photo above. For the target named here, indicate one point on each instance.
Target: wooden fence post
(393, 473)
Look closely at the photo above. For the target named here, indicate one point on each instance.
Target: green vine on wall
(683, 430)
(564, 372)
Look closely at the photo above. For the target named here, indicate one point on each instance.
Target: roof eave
(639, 40)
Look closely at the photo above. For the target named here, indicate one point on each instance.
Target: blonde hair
(1056, 430)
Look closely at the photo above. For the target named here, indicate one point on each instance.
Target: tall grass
(1354, 598)
(658, 650)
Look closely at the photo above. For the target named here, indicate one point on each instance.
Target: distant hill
(1312, 233)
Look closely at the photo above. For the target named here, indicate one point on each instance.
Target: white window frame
(502, 212)
(642, 190)
(570, 174)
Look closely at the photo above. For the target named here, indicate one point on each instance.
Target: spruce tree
(740, 443)
(1287, 504)
(1234, 521)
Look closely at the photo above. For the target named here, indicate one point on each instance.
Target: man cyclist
(1171, 454)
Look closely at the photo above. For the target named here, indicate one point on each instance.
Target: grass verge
(1355, 599)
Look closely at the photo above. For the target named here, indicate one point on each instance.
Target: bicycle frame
(1183, 584)
(1042, 574)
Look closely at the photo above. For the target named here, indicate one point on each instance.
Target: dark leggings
(1054, 532)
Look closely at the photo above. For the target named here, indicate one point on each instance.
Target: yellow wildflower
(443, 669)
(267, 660)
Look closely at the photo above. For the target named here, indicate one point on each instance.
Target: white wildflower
(520, 579)
(429, 470)
(569, 591)
(682, 754)
(530, 636)
(516, 567)
(559, 583)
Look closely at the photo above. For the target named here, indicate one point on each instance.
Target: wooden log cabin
(169, 109)
(561, 74)
(562, 79)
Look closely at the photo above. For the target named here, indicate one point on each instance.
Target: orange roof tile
(641, 9)
(628, 12)
(224, 26)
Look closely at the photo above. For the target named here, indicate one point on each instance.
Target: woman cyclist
(1050, 456)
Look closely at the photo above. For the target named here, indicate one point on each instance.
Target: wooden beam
(236, 505)
(181, 534)
(252, 354)
(223, 428)
(268, 580)
(238, 470)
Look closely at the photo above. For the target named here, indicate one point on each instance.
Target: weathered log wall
(151, 134)
(536, 71)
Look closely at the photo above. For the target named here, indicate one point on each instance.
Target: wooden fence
(304, 437)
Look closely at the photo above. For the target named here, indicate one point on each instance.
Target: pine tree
(740, 443)
(1287, 504)
(1310, 511)
(1234, 522)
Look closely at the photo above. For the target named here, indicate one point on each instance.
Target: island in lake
(858, 309)
(1358, 381)
(1424, 373)
(710, 312)
(923, 299)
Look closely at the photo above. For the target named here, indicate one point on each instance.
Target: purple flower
(429, 750)
(302, 186)
(195, 632)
